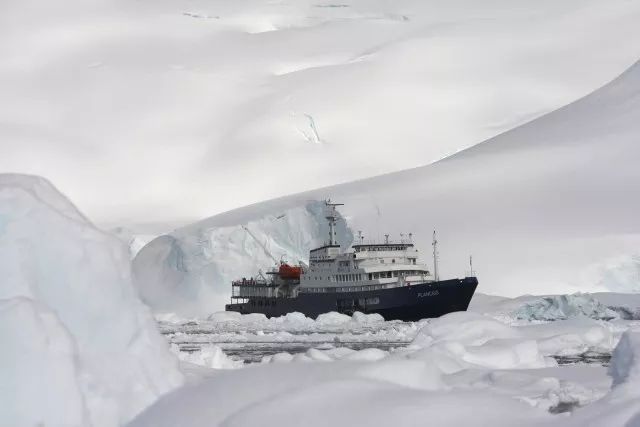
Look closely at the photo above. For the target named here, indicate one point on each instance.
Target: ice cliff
(190, 270)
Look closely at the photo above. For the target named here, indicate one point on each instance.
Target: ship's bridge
(385, 253)
(324, 253)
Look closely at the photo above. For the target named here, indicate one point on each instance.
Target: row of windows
(357, 277)
(348, 277)
(347, 289)
(380, 248)
(393, 261)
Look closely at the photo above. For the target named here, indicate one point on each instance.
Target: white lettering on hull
(428, 294)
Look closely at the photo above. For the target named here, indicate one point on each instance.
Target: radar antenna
(332, 217)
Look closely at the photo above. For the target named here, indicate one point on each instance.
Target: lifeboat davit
(287, 271)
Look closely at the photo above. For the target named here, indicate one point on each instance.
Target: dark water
(252, 352)
(587, 358)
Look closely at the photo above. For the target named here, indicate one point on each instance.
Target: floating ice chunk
(367, 355)
(461, 340)
(319, 355)
(560, 307)
(333, 318)
(210, 356)
(367, 318)
(278, 358)
(464, 327)
(572, 337)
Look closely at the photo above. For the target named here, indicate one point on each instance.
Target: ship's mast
(435, 257)
(332, 217)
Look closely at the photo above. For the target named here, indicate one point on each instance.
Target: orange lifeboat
(287, 271)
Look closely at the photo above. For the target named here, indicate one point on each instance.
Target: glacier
(189, 271)
(78, 346)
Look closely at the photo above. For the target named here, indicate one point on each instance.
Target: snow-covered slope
(207, 105)
(78, 346)
(542, 208)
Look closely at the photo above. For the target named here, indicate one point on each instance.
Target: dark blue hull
(410, 303)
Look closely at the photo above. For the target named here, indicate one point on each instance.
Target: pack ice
(78, 346)
(499, 373)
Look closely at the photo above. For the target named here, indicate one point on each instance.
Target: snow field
(244, 86)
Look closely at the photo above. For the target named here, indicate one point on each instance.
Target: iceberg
(78, 346)
(560, 307)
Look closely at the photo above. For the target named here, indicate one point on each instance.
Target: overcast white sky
(174, 110)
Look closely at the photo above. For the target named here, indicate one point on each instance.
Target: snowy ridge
(79, 348)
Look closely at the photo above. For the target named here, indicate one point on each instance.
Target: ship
(386, 277)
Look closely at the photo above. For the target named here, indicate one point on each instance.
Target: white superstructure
(365, 265)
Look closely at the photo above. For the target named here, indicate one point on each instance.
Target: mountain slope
(204, 106)
(546, 207)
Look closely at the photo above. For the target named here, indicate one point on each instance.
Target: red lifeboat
(287, 271)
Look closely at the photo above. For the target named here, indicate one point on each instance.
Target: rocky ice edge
(78, 346)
